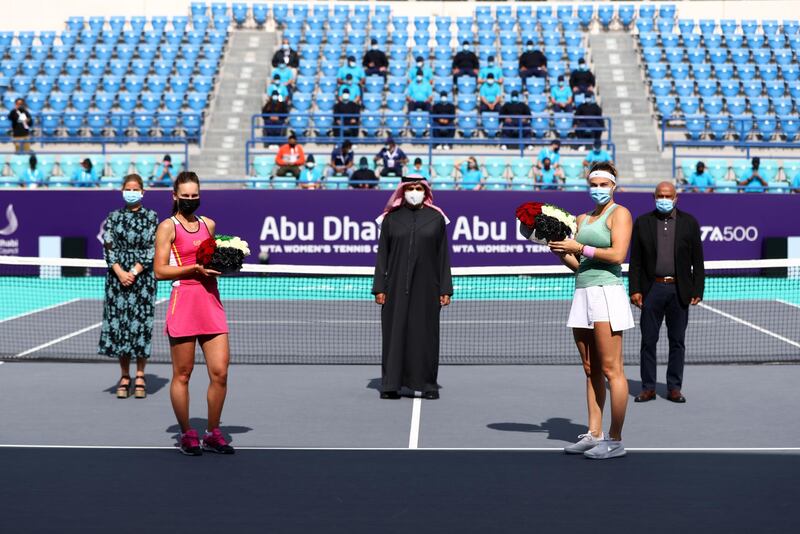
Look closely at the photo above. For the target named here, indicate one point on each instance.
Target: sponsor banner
(338, 227)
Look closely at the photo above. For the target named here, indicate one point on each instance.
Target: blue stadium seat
(127, 101)
(759, 105)
(742, 125)
(679, 71)
(775, 88)
(112, 83)
(396, 125)
(768, 73)
(730, 87)
(104, 101)
(701, 71)
(790, 73)
(695, 126)
(490, 122)
(666, 105)
(707, 88)
(585, 14)
(712, 105)
(466, 102)
(196, 100)
(173, 101)
(790, 126)
(418, 122)
(540, 125)
(684, 88)
(746, 71)
(49, 124)
(35, 101)
(767, 126)
(134, 83)
(467, 123)
(689, 105)
(395, 102)
(605, 14)
(782, 105)
(563, 123)
(326, 101)
(719, 126)
(58, 101)
(81, 101)
(191, 123)
(696, 55)
(625, 14)
(140, 67)
(752, 88)
(656, 71)
(371, 123)
(73, 124)
(537, 103)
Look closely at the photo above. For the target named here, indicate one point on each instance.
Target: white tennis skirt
(601, 304)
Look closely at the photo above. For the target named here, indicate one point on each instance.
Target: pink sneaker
(190, 443)
(214, 442)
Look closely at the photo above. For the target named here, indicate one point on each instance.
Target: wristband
(589, 251)
(134, 271)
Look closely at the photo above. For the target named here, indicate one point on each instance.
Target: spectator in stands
(276, 111)
(290, 158)
(363, 177)
(165, 173)
(514, 124)
(392, 159)
(551, 153)
(465, 63)
(490, 68)
(548, 177)
(596, 155)
(532, 62)
(444, 113)
(311, 176)
(85, 175)
(561, 96)
(581, 80)
(352, 68)
(418, 170)
(700, 181)
(490, 94)
(286, 75)
(589, 128)
(427, 73)
(279, 87)
(21, 125)
(471, 174)
(346, 115)
(286, 56)
(375, 61)
(341, 163)
(419, 94)
(352, 88)
(32, 175)
(753, 183)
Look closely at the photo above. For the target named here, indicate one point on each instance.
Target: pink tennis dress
(195, 308)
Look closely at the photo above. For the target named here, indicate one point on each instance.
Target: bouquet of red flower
(542, 223)
(223, 253)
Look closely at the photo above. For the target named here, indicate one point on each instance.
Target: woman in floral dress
(129, 238)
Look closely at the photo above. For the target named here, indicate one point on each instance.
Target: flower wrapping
(542, 223)
(225, 253)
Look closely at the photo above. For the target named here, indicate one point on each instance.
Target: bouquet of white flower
(542, 223)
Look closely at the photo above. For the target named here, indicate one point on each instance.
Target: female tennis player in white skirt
(600, 310)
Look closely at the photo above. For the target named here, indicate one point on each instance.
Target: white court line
(21, 315)
(434, 449)
(416, 410)
(792, 304)
(59, 340)
(67, 336)
(751, 325)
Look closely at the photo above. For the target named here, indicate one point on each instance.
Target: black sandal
(140, 390)
(123, 390)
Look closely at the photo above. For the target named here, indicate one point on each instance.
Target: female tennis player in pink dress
(195, 314)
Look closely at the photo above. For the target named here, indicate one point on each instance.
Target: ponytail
(184, 177)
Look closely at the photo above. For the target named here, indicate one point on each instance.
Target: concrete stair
(243, 78)
(624, 98)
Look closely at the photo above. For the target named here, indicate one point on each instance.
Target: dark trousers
(661, 301)
(418, 106)
(444, 131)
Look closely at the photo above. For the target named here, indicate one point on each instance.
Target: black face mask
(187, 206)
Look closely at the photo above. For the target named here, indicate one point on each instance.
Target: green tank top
(592, 272)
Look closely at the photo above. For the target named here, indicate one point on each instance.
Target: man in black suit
(666, 276)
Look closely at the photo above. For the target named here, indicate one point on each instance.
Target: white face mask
(414, 198)
(419, 63)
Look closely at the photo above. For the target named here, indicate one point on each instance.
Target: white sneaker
(586, 442)
(605, 450)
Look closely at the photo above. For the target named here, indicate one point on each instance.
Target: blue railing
(721, 127)
(117, 127)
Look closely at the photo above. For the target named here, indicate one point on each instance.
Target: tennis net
(52, 309)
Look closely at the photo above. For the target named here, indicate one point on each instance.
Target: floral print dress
(129, 238)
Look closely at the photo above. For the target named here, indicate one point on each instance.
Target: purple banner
(338, 227)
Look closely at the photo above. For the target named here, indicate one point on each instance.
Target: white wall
(51, 14)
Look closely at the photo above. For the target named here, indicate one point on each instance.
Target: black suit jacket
(689, 272)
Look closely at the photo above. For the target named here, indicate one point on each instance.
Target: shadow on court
(155, 384)
(557, 428)
(356, 491)
(199, 424)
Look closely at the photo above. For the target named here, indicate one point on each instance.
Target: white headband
(602, 174)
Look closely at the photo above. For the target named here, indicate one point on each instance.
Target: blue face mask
(514, 99)
(132, 197)
(665, 205)
(600, 195)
